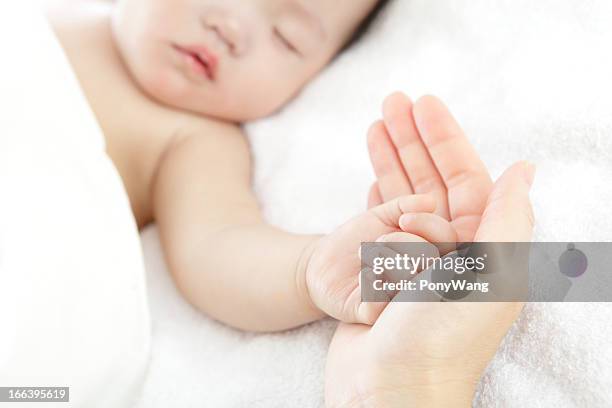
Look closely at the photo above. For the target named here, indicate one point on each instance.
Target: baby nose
(231, 30)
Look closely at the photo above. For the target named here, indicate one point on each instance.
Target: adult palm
(420, 148)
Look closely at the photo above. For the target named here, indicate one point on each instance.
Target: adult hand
(421, 149)
(433, 354)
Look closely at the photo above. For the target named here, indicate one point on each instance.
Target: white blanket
(72, 291)
(528, 80)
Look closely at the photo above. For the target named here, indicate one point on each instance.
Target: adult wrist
(444, 397)
(416, 389)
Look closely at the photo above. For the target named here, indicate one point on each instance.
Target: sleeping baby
(171, 82)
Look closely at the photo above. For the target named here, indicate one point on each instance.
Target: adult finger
(374, 197)
(465, 176)
(508, 216)
(413, 155)
(392, 180)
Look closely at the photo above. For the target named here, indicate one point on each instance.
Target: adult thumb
(508, 215)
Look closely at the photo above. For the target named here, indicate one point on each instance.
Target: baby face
(232, 59)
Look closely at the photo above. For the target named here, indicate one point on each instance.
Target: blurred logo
(573, 262)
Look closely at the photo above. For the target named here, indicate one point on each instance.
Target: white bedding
(73, 306)
(528, 80)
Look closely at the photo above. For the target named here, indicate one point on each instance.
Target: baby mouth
(199, 59)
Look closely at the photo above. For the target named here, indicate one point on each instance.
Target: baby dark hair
(366, 23)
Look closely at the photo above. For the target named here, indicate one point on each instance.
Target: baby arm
(223, 257)
(236, 268)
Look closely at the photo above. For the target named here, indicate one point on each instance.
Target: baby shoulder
(214, 133)
(213, 141)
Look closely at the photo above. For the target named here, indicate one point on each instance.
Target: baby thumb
(508, 216)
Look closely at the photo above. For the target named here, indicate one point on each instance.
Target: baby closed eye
(285, 42)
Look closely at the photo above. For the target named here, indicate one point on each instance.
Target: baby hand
(332, 274)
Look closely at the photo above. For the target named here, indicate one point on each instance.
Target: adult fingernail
(529, 171)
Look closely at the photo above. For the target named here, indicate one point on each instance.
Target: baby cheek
(162, 84)
(258, 105)
(267, 96)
